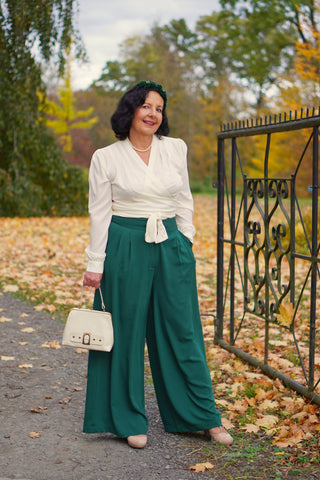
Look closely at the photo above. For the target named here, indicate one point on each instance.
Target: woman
(140, 253)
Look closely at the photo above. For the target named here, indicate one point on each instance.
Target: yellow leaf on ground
(268, 421)
(299, 416)
(251, 428)
(317, 360)
(38, 409)
(201, 467)
(23, 315)
(5, 319)
(237, 406)
(53, 344)
(236, 387)
(81, 350)
(260, 394)
(281, 363)
(27, 330)
(283, 432)
(227, 368)
(253, 375)
(4, 358)
(25, 365)
(288, 405)
(41, 307)
(222, 403)
(313, 419)
(278, 343)
(10, 288)
(268, 405)
(65, 400)
(250, 401)
(222, 387)
(227, 424)
(290, 441)
(35, 434)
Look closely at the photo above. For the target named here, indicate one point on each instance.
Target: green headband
(148, 85)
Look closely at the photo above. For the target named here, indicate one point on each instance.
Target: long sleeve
(100, 211)
(184, 205)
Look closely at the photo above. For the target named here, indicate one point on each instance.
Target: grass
(253, 457)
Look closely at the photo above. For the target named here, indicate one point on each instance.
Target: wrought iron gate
(268, 263)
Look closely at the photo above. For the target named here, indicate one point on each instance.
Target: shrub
(42, 183)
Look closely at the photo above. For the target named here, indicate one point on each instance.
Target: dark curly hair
(122, 118)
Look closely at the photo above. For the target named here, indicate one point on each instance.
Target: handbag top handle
(102, 302)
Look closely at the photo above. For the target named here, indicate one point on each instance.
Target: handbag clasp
(86, 339)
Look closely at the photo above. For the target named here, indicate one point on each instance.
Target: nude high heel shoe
(220, 435)
(137, 441)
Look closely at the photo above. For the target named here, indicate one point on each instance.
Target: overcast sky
(104, 25)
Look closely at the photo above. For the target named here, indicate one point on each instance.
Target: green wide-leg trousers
(151, 291)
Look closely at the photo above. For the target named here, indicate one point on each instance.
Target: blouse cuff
(188, 232)
(95, 261)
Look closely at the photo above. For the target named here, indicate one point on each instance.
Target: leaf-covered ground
(43, 260)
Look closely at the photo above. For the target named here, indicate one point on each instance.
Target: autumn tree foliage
(307, 61)
(298, 89)
(85, 141)
(63, 117)
(263, 35)
(33, 178)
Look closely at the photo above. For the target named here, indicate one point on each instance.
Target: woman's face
(148, 117)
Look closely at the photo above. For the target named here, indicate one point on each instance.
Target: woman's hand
(92, 279)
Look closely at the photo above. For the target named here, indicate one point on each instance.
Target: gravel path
(42, 390)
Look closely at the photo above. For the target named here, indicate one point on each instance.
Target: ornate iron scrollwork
(269, 249)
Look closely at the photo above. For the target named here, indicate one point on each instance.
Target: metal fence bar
(220, 200)
(293, 236)
(269, 127)
(314, 250)
(266, 246)
(232, 226)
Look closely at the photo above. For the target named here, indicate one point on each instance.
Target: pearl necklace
(141, 150)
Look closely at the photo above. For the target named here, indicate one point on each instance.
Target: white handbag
(91, 329)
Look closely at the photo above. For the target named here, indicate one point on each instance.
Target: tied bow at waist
(155, 230)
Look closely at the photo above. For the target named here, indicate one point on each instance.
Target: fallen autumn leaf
(27, 330)
(5, 319)
(5, 358)
(25, 365)
(201, 467)
(10, 288)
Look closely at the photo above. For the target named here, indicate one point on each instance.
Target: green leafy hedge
(42, 183)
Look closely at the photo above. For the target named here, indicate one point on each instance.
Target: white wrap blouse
(120, 183)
